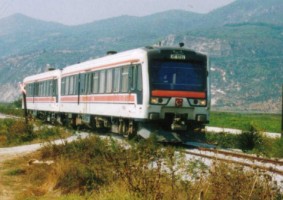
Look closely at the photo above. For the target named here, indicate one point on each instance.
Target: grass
(100, 169)
(13, 108)
(17, 132)
(243, 121)
(251, 141)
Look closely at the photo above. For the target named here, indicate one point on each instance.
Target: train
(144, 91)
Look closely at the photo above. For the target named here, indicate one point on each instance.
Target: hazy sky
(73, 12)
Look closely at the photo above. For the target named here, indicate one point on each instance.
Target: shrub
(251, 139)
(105, 169)
(223, 140)
(277, 148)
(11, 108)
(234, 182)
(18, 132)
(248, 141)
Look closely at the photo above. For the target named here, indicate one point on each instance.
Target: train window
(45, 88)
(132, 78)
(44, 85)
(109, 81)
(28, 90)
(67, 85)
(135, 78)
(117, 78)
(125, 79)
(54, 87)
(32, 90)
(36, 89)
(41, 89)
(71, 85)
(82, 84)
(102, 81)
(48, 86)
(63, 86)
(95, 83)
(76, 87)
(88, 83)
(139, 78)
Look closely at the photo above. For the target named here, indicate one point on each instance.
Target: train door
(135, 82)
(35, 95)
(85, 82)
(54, 91)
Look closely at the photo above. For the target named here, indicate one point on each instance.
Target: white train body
(167, 86)
(36, 84)
(105, 103)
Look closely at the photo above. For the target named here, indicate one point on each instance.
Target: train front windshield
(178, 75)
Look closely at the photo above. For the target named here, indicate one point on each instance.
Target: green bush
(277, 150)
(12, 108)
(15, 132)
(250, 140)
(223, 140)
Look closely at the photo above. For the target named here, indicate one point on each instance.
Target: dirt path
(7, 183)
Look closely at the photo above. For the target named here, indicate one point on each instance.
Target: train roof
(43, 76)
(107, 61)
(122, 58)
(117, 59)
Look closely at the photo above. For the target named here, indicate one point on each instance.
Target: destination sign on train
(178, 56)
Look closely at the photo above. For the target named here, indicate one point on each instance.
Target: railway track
(267, 165)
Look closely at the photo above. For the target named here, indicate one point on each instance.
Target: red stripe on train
(170, 93)
(114, 98)
(41, 99)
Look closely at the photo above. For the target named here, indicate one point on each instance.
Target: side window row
(121, 79)
(42, 88)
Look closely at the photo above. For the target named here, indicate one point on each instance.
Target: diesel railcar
(152, 89)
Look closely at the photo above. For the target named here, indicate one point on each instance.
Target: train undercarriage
(166, 130)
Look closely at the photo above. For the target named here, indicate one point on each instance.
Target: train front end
(178, 89)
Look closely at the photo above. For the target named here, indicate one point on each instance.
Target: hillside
(246, 66)
(241, 11)
(242, 40)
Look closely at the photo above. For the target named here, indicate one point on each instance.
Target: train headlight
(202, 102)
(158, 100)
(198, 102)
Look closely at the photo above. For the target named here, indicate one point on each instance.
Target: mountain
(247, 11)
(243, 41)
(246, 66)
